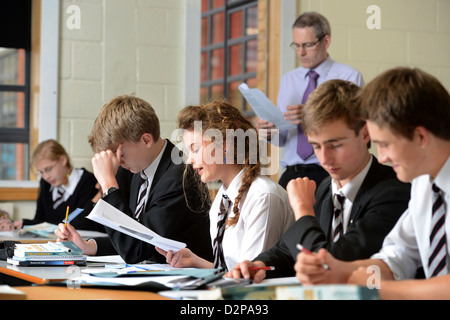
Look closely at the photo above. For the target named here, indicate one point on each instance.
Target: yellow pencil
(67, 215)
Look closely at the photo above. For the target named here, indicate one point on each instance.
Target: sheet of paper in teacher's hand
(111, 217)
(264, 108)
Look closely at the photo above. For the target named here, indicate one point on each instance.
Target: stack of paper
(154, 277)
(48, 254)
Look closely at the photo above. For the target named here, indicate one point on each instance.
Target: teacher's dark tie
(338, 217)
(304, 149)
(219, 259)
(437, 262)
(141, 196)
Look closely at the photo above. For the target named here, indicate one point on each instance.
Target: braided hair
(222, 116)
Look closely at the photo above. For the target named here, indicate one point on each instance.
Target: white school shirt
(69, 188)
(151, 170)
(265, 214)
(405, 248)
(349, 191)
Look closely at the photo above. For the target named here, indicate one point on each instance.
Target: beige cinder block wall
(413, 33)
(121, 47)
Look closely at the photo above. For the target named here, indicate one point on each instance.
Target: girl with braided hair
(250, 211)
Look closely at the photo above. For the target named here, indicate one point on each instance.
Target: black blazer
(166, 213)
(380, 201)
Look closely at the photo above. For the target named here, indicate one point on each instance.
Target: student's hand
(98, 195)
(310, 268)
(241, 270)
(6, 225)
(105, 165)
(9, 225)
(301, 193)
(183, 258)
(18, 224)
(69, 233)
(265, 129)
(294, 113)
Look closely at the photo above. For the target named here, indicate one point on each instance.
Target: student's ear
(421, 135)
(147, 139)
(63, 160)
(364, 132)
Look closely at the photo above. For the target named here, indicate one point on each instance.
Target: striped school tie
(437, 262)
(59, 197)
(142, 196)
(219, 259)
(338, 221)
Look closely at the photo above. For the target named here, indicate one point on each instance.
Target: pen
(303, 249)
(67, 215)
(259, 268)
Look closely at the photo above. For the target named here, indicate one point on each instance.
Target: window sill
(19, 190)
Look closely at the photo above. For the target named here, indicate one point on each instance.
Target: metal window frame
(19, 135)
(229, 8)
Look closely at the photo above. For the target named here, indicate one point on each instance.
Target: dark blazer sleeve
(167, 214)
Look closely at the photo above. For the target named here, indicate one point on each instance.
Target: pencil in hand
(67, 216)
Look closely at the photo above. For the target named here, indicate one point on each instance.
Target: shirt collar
(442, 179)
(72, 181)
(351, 188)
(233, 189)
(151, 169)
(322, 69)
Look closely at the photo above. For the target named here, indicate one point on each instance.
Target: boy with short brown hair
(407, 112)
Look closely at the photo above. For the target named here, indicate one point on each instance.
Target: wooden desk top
(36, 275)
(64, 293)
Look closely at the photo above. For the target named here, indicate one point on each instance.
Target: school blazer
(380, 201)
(166, 213)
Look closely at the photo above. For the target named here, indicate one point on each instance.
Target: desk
(15, 275)
(23, 278)
(64, 293)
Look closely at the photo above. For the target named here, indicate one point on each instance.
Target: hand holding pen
(303, 249)
(311, 268)
(255, 270)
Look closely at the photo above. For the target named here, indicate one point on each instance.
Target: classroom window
(15, 17)
(229, 47)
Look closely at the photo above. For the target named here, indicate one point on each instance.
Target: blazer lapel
(323, 196)
(164, 164)
(134, 190)
(371, 178)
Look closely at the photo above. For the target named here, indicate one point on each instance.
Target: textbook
(43, 229)
(326, 292)
(63, 248)
(299, 292)
(46, 229)
(60, 261)
(47, 254)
